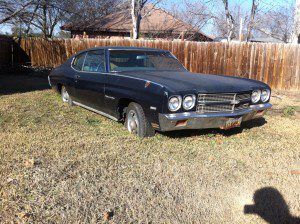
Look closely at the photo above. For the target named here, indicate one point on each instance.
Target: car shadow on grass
(191, 133)
(270, 205)
(21, 83)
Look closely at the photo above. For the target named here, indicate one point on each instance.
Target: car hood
(188, 81)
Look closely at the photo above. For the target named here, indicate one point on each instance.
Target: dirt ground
(62, 164)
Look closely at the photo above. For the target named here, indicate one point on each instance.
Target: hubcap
(132, 122)
(65, 95)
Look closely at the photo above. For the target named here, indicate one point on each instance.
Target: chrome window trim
(157, 50)
(86, 52)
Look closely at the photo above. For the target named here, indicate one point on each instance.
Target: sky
(167, 4)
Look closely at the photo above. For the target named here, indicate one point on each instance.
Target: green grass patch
(290, 110)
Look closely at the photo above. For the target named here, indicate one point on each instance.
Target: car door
(76, 65)
(90, 82)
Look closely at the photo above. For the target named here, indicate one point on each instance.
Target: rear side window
(94, 61)
(78, 61)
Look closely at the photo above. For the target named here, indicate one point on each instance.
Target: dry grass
(62, 164)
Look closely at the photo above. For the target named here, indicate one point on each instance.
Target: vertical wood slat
(276, 64)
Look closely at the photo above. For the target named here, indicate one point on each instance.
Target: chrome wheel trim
(65, 95)
(132, 122)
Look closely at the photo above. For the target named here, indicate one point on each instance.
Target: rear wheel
(136, 121)
(65, 96)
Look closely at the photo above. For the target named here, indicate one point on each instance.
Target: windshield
(132, 60)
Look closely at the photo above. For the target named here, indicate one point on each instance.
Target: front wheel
(136, 121)
(65, 96)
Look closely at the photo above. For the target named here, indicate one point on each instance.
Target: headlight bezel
(268, 95)
(257, 97)
(193, 102)
(179, 104)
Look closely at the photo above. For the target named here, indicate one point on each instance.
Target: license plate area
(232, 122)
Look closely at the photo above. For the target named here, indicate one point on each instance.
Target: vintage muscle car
(148, 89)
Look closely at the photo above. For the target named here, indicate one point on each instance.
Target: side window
(94, 61)
(78, 61)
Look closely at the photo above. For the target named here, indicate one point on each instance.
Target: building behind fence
(275, 64)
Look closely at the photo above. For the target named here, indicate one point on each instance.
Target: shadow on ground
(270, 205)
(189, 133)
(21, 83)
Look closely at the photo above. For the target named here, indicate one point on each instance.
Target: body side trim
(96, 111)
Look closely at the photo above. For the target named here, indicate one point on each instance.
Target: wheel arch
(123, 104)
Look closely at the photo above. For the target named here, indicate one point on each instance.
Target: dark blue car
(148, 90)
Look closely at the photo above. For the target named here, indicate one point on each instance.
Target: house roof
(155, 20)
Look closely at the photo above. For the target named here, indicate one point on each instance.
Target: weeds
(290, 110)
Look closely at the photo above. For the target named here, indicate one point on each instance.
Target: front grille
(222, 102)
(214, 98)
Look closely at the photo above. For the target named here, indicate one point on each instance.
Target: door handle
(77, 76)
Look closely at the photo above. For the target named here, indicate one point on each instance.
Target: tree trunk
(250, 25)
(229, 21)
(136, 6)
(296, 33)
(134, 20)
(44, 22)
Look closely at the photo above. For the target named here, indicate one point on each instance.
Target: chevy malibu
(149, 90)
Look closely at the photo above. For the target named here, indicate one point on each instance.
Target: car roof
(124, 48)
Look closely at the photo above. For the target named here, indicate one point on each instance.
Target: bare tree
(45, 15)
(136, 14)
(9, 10)
(296, 31)
(220, 20)
(277, 23)
(229, 21)
(197, 14)
(251, 21)
(90, 10)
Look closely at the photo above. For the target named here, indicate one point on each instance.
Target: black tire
(143, 127)
(65, 99)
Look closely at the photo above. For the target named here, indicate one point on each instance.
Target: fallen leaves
(295, 172)
(108, 215)
(30, 163)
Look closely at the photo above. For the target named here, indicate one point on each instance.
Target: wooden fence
(10, 52)
(275, 64)
(6, 51)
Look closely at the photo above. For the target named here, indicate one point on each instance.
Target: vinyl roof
(125, 48)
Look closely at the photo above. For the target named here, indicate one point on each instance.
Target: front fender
(148, 94)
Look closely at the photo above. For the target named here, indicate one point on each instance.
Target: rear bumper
(194, 120)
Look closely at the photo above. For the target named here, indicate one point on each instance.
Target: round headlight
(255, 97)
(189, 102)
(265, 95)
(174, 103)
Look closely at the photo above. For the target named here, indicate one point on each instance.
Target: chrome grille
(243, 96)
(212, 98)
(222, 102)
(214, 108)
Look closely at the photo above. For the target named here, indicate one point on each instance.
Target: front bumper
(194, 120)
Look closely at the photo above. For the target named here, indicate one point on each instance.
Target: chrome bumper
(194, 120)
